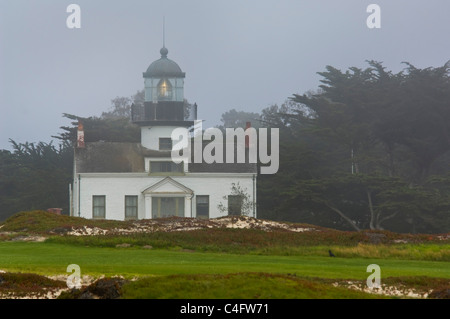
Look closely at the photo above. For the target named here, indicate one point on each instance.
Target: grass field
(228, 263)
(236, 286)
(49, 258)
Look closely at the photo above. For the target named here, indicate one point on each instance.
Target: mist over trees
(121, 106)
(235, 119)
(35, 176)
(369, 149)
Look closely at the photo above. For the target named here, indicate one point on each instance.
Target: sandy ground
(186, 224)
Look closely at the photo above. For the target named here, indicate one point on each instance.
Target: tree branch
(386, 218)
(343, 216)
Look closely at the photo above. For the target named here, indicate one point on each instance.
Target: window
(165, 144)
(202, 206)
(164, 90)
(165, 167)
(98, 207)
(131, 207)
(167, 206)
(235, 204)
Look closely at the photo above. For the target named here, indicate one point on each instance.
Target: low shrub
(43, 222)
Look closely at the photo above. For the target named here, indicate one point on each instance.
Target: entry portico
(168, 198)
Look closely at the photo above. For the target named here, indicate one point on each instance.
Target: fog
(245, 55)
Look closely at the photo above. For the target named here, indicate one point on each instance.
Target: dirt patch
(29, 286)
(29, 238)
(375, 238)
(86, 231)
(32, 286)
(443, 293)
(431, 288)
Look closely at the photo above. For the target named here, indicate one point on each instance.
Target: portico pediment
(168, 186)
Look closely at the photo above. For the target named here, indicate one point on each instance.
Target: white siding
(150, 135)
(116, 186)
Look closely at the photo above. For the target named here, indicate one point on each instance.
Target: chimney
(80, 135)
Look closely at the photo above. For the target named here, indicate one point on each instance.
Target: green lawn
(235, 286)
(50, 258)
(222, 263)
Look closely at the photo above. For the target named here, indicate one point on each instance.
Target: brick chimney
(80, 135)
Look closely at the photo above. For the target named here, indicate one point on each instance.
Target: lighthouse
(165, 108)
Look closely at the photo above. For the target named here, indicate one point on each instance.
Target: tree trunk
(372, 213)
(378, 225)
(344, 217)
(355, 168)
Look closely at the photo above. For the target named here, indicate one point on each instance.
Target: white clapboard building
(126, 181)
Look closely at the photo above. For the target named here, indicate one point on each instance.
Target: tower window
(164, 90)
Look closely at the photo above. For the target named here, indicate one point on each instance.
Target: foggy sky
(243, 54)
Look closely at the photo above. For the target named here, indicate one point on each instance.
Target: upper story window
(165, 144)
(164, 90)
(165, 167)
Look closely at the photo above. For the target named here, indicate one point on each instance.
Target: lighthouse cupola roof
(164, 67)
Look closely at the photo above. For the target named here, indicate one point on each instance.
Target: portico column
(148, 206)
(188, 206)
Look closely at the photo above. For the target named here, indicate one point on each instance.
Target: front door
(167, 206)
